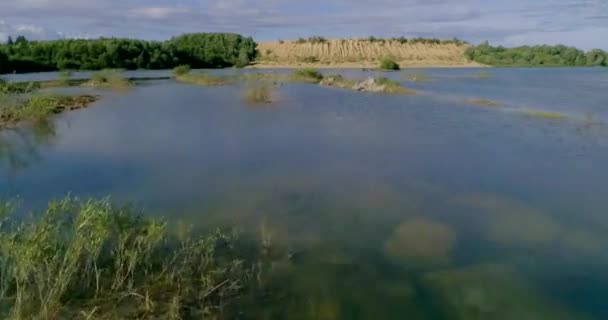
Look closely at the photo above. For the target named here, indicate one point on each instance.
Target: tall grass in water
(113, 79)
(259, 93)
(483, 102)
(36, 107)
(201, 79)
(95, 258)
(181, 70)
(307, 75)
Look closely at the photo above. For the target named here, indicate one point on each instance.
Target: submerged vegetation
(107, 262)
(536, 56)
(202, 79)
(200, 50)
(550, 115)
(259, 93)
(417, 77)
(483, 102)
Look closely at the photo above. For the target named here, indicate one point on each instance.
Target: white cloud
(30, 31)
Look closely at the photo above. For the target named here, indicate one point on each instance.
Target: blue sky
(581, 23)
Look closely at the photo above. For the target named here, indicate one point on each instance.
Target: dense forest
(536, 56)
(200, 50)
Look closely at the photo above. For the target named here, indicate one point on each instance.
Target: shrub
(389, 64)
(310, 59)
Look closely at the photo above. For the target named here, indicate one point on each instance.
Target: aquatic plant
(259, 93)
(112, 79)
(393, 86)
(420, 241)
(481, 75)
(389, 64)
(417, 77)
(482, 102)
(550, 115)
(308, 75)
(181, 70)
(36, 107)
(96, 258)
(203, 79)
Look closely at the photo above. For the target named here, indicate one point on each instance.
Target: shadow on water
(19, 146)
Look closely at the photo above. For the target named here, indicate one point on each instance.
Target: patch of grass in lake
(307, 75)
(481, 75)
(393, 86)
(112, 79)
(420, 241)
(111, 262)
(181, 70)
(203, 79)
(548, 115)
(15, 108)
(490, 292)
(417, 77)
(259, 93)
(483, 102)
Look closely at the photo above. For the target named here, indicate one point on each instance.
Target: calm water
(417, 207)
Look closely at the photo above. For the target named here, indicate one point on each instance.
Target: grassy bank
(93, 260)
(19, 102)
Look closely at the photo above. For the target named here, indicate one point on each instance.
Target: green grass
(308, 75)
(112, 79)
(389, 65)
(483, 102)
(15, 108)
(550, 115)
(202, 79)
(259, 93)
(93, 259)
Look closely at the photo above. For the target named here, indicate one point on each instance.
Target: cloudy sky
(581, 23)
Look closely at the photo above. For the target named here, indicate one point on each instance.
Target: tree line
(536, 56)
(198, 50)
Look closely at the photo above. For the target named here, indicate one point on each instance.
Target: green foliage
(308, 74)
(536, 56)
(427, 41)
(389, 64)
(82, 254)
(199, 50)
(181, 70)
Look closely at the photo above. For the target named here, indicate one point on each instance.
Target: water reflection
(20, 146)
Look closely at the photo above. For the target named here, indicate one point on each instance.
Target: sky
(580, 23)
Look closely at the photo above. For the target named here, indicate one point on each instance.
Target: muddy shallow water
(393, 206)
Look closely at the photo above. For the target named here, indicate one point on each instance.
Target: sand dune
(354, 53)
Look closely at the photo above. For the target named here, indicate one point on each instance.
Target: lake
(390, 206)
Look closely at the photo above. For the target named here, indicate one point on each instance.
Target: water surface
(421, 207)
